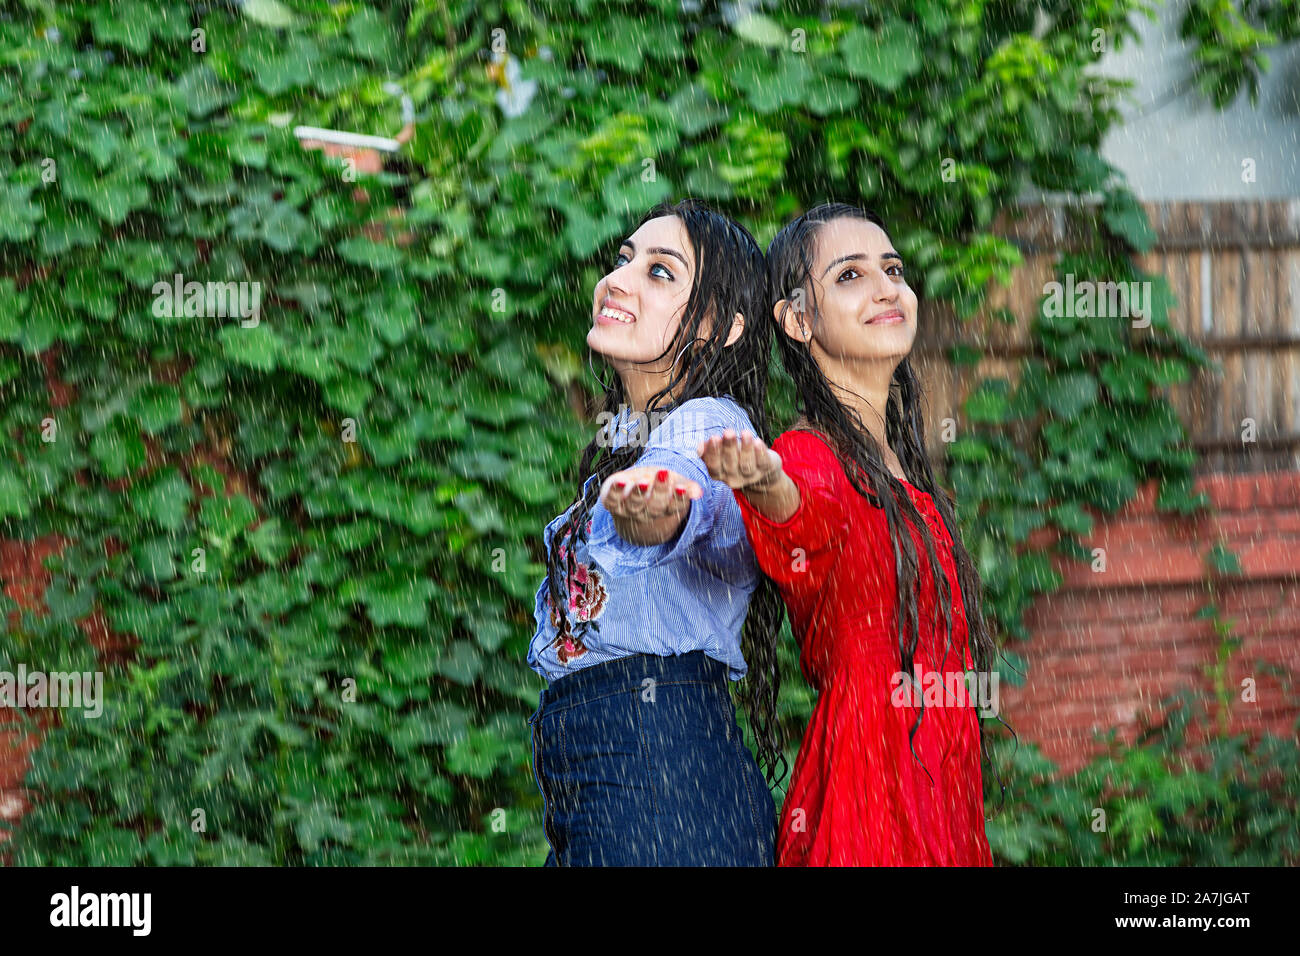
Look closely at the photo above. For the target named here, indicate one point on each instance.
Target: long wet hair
(790, 265)
(730, 277)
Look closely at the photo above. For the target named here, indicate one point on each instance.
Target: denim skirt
(640, 762)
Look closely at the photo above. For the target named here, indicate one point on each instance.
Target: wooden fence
(1234, 269)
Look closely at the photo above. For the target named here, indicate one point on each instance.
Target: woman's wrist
(777, 499)
(645, 532)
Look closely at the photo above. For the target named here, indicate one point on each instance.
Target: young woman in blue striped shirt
(650, 575)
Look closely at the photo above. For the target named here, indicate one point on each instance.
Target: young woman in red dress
(844, 514)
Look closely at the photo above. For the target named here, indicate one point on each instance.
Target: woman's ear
(737, 328)
(791, 321)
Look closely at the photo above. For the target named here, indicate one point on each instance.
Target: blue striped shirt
(687, 594)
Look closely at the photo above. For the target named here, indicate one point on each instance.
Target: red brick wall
(24, 581)
(1110, 645)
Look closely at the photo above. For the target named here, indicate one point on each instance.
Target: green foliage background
(407, 561)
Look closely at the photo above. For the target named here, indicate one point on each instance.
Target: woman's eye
(620, 259)
(895, 270)
(662, 268)
(847, 272)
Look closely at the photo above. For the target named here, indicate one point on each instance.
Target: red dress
(857, 796)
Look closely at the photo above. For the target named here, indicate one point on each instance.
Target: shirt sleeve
(672, 445)
(796, 551)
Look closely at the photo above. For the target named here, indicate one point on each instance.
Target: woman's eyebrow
(848, 258)
(659, 250)
(891, 254)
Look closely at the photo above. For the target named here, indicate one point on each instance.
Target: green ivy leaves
(886, 57)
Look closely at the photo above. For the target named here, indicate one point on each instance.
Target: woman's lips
(613, 315)
(892, 317)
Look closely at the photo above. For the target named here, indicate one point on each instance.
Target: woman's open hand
(648, 494)
(747, 463)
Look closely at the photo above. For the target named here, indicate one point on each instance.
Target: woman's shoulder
(703, 416)
(810, 451)
(719, 406)
(807, 441)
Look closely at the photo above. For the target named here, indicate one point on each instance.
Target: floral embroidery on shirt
(587, 596)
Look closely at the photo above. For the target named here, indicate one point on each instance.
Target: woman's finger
(638, 493)
(709, 455)
(621, 485)
(747, 456)
(730, 454)
(657, 503)
(608, 493)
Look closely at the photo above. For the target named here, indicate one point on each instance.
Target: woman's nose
(615, 284)
(886, 288)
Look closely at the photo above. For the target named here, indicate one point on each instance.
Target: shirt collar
(626, 420)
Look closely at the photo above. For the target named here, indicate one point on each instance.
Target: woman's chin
(605, 341)
(597, 342)
(890, 342)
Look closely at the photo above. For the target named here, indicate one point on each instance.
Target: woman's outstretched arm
(748, 465)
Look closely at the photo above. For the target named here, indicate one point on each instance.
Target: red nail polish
(680, 492)
(620, 484)
(643, 486)
(661, 474)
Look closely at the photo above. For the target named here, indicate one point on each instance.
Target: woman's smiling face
(637, 308)
(867, 310)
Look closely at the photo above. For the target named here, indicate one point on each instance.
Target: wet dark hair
(730, 277)
(790, 264)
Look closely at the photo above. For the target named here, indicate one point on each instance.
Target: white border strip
(347, 139)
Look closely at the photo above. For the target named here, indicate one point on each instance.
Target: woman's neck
(864, 389)
(640, 386)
